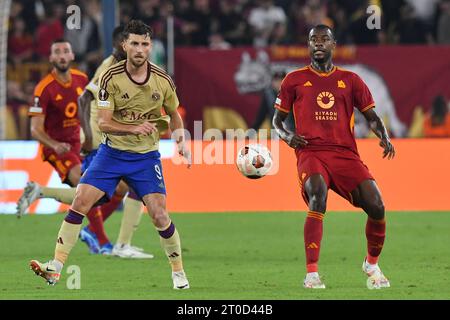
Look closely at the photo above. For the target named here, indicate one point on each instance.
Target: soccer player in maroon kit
(322, 97)
(54, 115)
(55, 124)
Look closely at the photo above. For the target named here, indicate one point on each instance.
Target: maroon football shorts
(341, 169)
(63, 163)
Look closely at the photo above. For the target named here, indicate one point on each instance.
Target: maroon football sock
(313, 236)
(375, 234)
(109, 207)
(96, 225)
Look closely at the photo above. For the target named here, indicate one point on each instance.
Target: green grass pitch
(237, 256)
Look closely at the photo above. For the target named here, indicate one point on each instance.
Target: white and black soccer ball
(254, 161)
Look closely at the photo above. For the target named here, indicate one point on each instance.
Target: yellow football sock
(68, 235)
(64, 195)
(132, 212)
(170, 241)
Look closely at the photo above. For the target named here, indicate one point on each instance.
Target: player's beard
(326, 57)
(61, 68)
(136, 64)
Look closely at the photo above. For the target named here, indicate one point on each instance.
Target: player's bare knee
(160, 217)
(81, 203)
(157, 210)
(318, 202)
(73, 180)
(376, 209)
(379, 209)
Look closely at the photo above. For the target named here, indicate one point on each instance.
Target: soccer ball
(254, 161)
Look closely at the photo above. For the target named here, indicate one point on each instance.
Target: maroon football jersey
(323, 105)
(57, 101)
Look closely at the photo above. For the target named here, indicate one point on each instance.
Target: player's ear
(50, 56)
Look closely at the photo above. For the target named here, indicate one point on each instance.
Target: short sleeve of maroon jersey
(362, 98)
(286, 96)
(41, 101)
(84, 81)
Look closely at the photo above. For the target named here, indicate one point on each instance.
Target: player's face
(137, 48)
(321, 45)
(61, 56)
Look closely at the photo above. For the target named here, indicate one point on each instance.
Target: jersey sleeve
(92, 86)
(41, 101)
(171, 101)
(84, 81)
(286, 96)
(105, 95)
(362, 98)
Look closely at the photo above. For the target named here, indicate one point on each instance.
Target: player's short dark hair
(118, 33)
(59, 40)
(322, 27)
(137, 27)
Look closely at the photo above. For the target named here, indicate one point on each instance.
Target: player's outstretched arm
(292, 139)
(107, 124)
(377, 126)
(177, 127)
(84, 103)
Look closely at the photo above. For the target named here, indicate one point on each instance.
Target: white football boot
(313, 281)
(180, 280)
(31, 192)
(376, 279)
(46, 270)
(130, 252)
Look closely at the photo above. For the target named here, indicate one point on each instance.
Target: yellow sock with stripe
(68, 235)
(64, 195)
(132, 213)
(170, 241)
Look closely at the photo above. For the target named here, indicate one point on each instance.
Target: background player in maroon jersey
(54, 116)
(323, 98)
(55, 124)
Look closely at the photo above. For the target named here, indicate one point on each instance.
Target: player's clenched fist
(295, 141)
(145, 128)
(61, 147)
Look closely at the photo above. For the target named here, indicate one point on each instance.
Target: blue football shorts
(88, 160)
(141, 171)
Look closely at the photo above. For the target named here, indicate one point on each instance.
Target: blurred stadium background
(225, 57)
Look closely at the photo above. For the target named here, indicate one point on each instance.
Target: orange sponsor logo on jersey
(325, 100)
(71, 122)
(307, 84)
(326, 115)
(58, 97)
